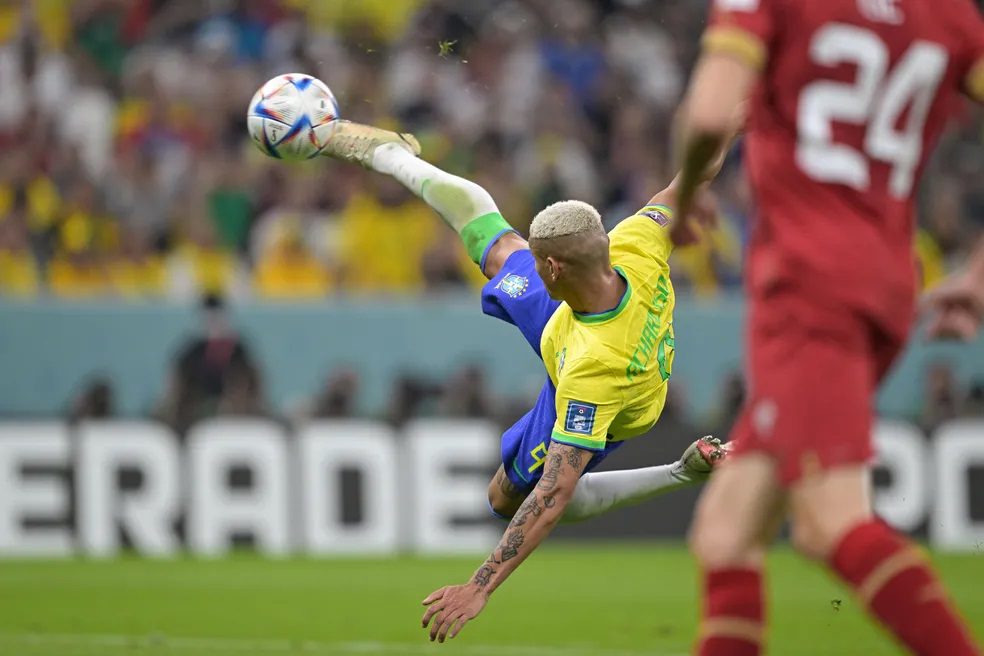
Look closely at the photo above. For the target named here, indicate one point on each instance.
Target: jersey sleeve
(646, 233)
(587, 403)
(742, 28)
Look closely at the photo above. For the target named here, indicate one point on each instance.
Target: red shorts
(813, 369)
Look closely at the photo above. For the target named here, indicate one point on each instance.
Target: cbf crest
(514, 285)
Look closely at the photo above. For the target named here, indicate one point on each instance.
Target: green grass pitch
(567, 600)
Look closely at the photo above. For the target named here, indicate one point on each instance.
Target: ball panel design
(291, 116)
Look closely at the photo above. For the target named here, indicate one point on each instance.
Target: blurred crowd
(216, 373)
(125, 169)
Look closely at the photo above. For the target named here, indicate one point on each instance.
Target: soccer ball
(292, 117)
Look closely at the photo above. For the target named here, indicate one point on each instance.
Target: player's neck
(597, 293)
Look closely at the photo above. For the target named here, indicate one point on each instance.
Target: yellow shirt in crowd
(291, 272)
(18, 274)
(383, 246)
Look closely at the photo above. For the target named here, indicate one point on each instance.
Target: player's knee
(808, 538)
(824, 509)
(500, 505)
(716, 545)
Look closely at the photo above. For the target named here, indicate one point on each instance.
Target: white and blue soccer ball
(292, 116)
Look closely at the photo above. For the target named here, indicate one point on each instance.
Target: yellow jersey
(611, 369)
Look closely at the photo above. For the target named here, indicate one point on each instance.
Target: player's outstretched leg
(464, 205)
(600, 492)
(832, 522)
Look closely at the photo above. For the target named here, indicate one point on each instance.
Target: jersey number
(877, 99)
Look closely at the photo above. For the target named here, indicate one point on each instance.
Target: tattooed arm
(536, 517)
(456, 605)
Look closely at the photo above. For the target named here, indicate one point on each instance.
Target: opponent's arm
(736, 48)
(453, 606)
(720, 86)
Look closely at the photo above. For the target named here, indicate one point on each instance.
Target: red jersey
(852, 97)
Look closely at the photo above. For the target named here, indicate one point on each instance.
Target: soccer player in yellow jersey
(598, 309)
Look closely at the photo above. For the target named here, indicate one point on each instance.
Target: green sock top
(479, 234)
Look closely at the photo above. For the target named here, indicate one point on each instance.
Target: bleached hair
(568, 217)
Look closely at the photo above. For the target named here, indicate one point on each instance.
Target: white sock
(600, 492)
(457, 200)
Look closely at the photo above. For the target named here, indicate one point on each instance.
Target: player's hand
(692, 221)
(451, 608)
(956, 308)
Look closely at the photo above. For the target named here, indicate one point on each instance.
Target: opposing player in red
(847, 98)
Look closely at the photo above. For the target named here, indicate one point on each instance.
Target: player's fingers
(436, 626)
(449, 621)
(430, 612)
(462, 621)
(937, 298)
(434, 596)
(954, 323)
(953, 294)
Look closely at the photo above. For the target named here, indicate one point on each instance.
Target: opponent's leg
(735, 517)
(832, 521)
(600, 492)
(464, 205)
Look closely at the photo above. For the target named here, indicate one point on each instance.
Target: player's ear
(554, 268)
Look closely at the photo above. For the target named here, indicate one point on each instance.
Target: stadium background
(141, 234)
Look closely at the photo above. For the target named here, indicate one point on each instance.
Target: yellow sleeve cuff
(730, 40)
(975, 81)
(584, 442)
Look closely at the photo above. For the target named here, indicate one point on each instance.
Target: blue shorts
(517, 295)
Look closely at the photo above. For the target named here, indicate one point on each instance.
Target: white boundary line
(162, 644)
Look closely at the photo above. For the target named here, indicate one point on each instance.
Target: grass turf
(583, 600)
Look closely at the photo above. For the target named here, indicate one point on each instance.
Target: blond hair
(568, 217)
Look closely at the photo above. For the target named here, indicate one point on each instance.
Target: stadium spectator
(466, 394)
(136, 271)
(200, 264)
(973, 405)
(242, 393)
(384, 235)
(213, 372)
(336, 399)
(288, 270)
(412, 396)
(942, 396)
(96, 400)
(18, 269)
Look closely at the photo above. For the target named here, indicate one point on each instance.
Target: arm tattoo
(546, 489)
(529, 507)
(483, 575)
(574, 458)
(550, 472)
(514, 540)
